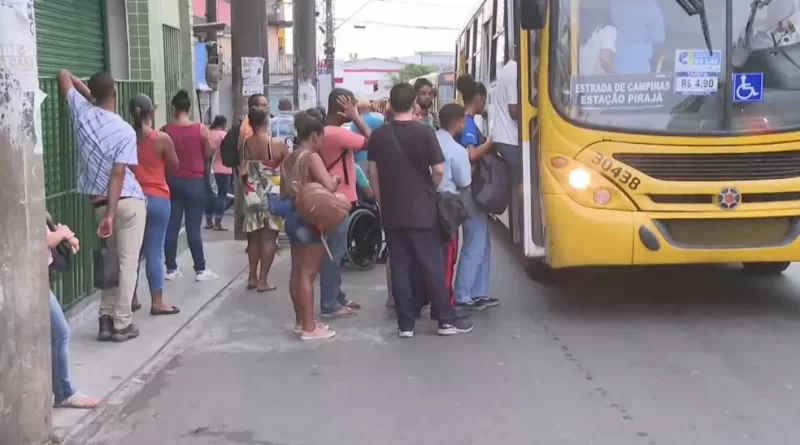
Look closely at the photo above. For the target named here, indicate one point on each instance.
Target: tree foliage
(410, 71)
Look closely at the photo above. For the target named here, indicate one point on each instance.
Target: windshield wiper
(698, 7)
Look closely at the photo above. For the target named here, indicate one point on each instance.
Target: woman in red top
(187, 187)
(156, 156)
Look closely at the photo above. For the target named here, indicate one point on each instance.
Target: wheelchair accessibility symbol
(748, 87)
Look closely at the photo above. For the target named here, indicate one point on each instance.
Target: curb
(93, 423)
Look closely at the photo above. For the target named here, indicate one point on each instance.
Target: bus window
(644, 66)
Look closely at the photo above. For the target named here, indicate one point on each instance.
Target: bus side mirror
(532, 14)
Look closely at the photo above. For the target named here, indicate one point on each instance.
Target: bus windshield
(644, 65)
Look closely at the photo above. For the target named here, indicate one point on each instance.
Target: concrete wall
(117, 39)
(146, 19)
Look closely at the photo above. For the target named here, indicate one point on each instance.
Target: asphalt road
(666, 356)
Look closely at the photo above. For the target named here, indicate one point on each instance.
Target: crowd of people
(146, 184)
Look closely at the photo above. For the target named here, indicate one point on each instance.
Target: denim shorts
(298, 231)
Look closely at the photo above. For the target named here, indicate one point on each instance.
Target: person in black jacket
(231, 139)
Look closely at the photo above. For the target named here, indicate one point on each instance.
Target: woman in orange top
(157, 157)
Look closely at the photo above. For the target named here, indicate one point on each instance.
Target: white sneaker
(405, 334)
(173, 275)
(206, 275)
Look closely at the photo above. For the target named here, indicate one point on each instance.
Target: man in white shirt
(504, 117)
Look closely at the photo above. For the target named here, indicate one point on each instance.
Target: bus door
(532, 219)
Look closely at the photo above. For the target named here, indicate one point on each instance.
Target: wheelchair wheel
(364, 239)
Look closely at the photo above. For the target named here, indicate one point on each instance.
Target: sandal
(220, 229)
(135, 307)
(262, 290)
(298, 329)
(318, 334)
(352, 305)
(341, 312)
(79, 401)
(173, 311)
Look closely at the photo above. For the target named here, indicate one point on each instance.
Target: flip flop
(136, 307)
(79, 401)
(267, 289)
(221, 229)
(174, 311)
(353, 305)
(208, 227)
(251, 286)
(340, 313)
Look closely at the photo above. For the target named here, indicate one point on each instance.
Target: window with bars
(172, 61)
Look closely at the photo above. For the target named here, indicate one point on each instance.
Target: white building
(370, 78)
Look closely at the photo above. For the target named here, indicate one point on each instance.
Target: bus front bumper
(583, 236)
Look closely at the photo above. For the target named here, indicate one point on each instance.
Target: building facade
(145, 45)
(280, 63)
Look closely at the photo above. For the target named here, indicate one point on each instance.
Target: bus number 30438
(613, 169)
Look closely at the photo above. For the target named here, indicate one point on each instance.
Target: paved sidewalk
(97, 369)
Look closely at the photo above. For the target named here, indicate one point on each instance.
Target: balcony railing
(281, 64)
(63, 200)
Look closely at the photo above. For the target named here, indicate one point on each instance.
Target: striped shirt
(102, 139)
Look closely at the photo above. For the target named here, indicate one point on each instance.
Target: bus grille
(714, 167)
(734, 233)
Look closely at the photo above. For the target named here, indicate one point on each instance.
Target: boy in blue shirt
(373, 121)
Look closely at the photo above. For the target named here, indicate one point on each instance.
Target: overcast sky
(384, 41)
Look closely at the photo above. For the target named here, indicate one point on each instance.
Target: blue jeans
(59, 352)
(155, 232)
(297, 230)
(215, 207)
(331, 296)
(474, 263)
(187, 197)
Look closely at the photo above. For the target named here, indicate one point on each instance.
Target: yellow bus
(673, 139)
(442, 85)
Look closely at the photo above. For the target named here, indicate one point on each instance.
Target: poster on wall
(252, 75)
(622, 91)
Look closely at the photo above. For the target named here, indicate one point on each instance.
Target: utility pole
(330, 42)
(25, 387)
(213, 57)
(248, 39)
(304, 13)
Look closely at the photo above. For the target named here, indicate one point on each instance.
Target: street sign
(748, 87)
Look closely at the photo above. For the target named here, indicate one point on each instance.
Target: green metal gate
(172, 61)
(71, 35)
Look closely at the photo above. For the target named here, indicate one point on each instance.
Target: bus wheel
(537, 269)
(774, 268)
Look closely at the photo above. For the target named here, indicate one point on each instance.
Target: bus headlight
(579, 179)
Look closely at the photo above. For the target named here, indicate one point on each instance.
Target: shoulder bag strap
(396, 142)
(341, 159)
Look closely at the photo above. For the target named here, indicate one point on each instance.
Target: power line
(400, 25)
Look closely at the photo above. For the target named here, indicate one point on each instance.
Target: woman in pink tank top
(187, 187)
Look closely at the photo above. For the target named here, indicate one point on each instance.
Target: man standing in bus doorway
(424, 90)
(640, 28)
(504, 119)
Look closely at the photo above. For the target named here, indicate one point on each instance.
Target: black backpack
(229, 147)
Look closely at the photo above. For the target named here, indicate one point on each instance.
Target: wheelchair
(365, 243)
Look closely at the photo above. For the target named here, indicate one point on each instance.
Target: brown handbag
(315, 204)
